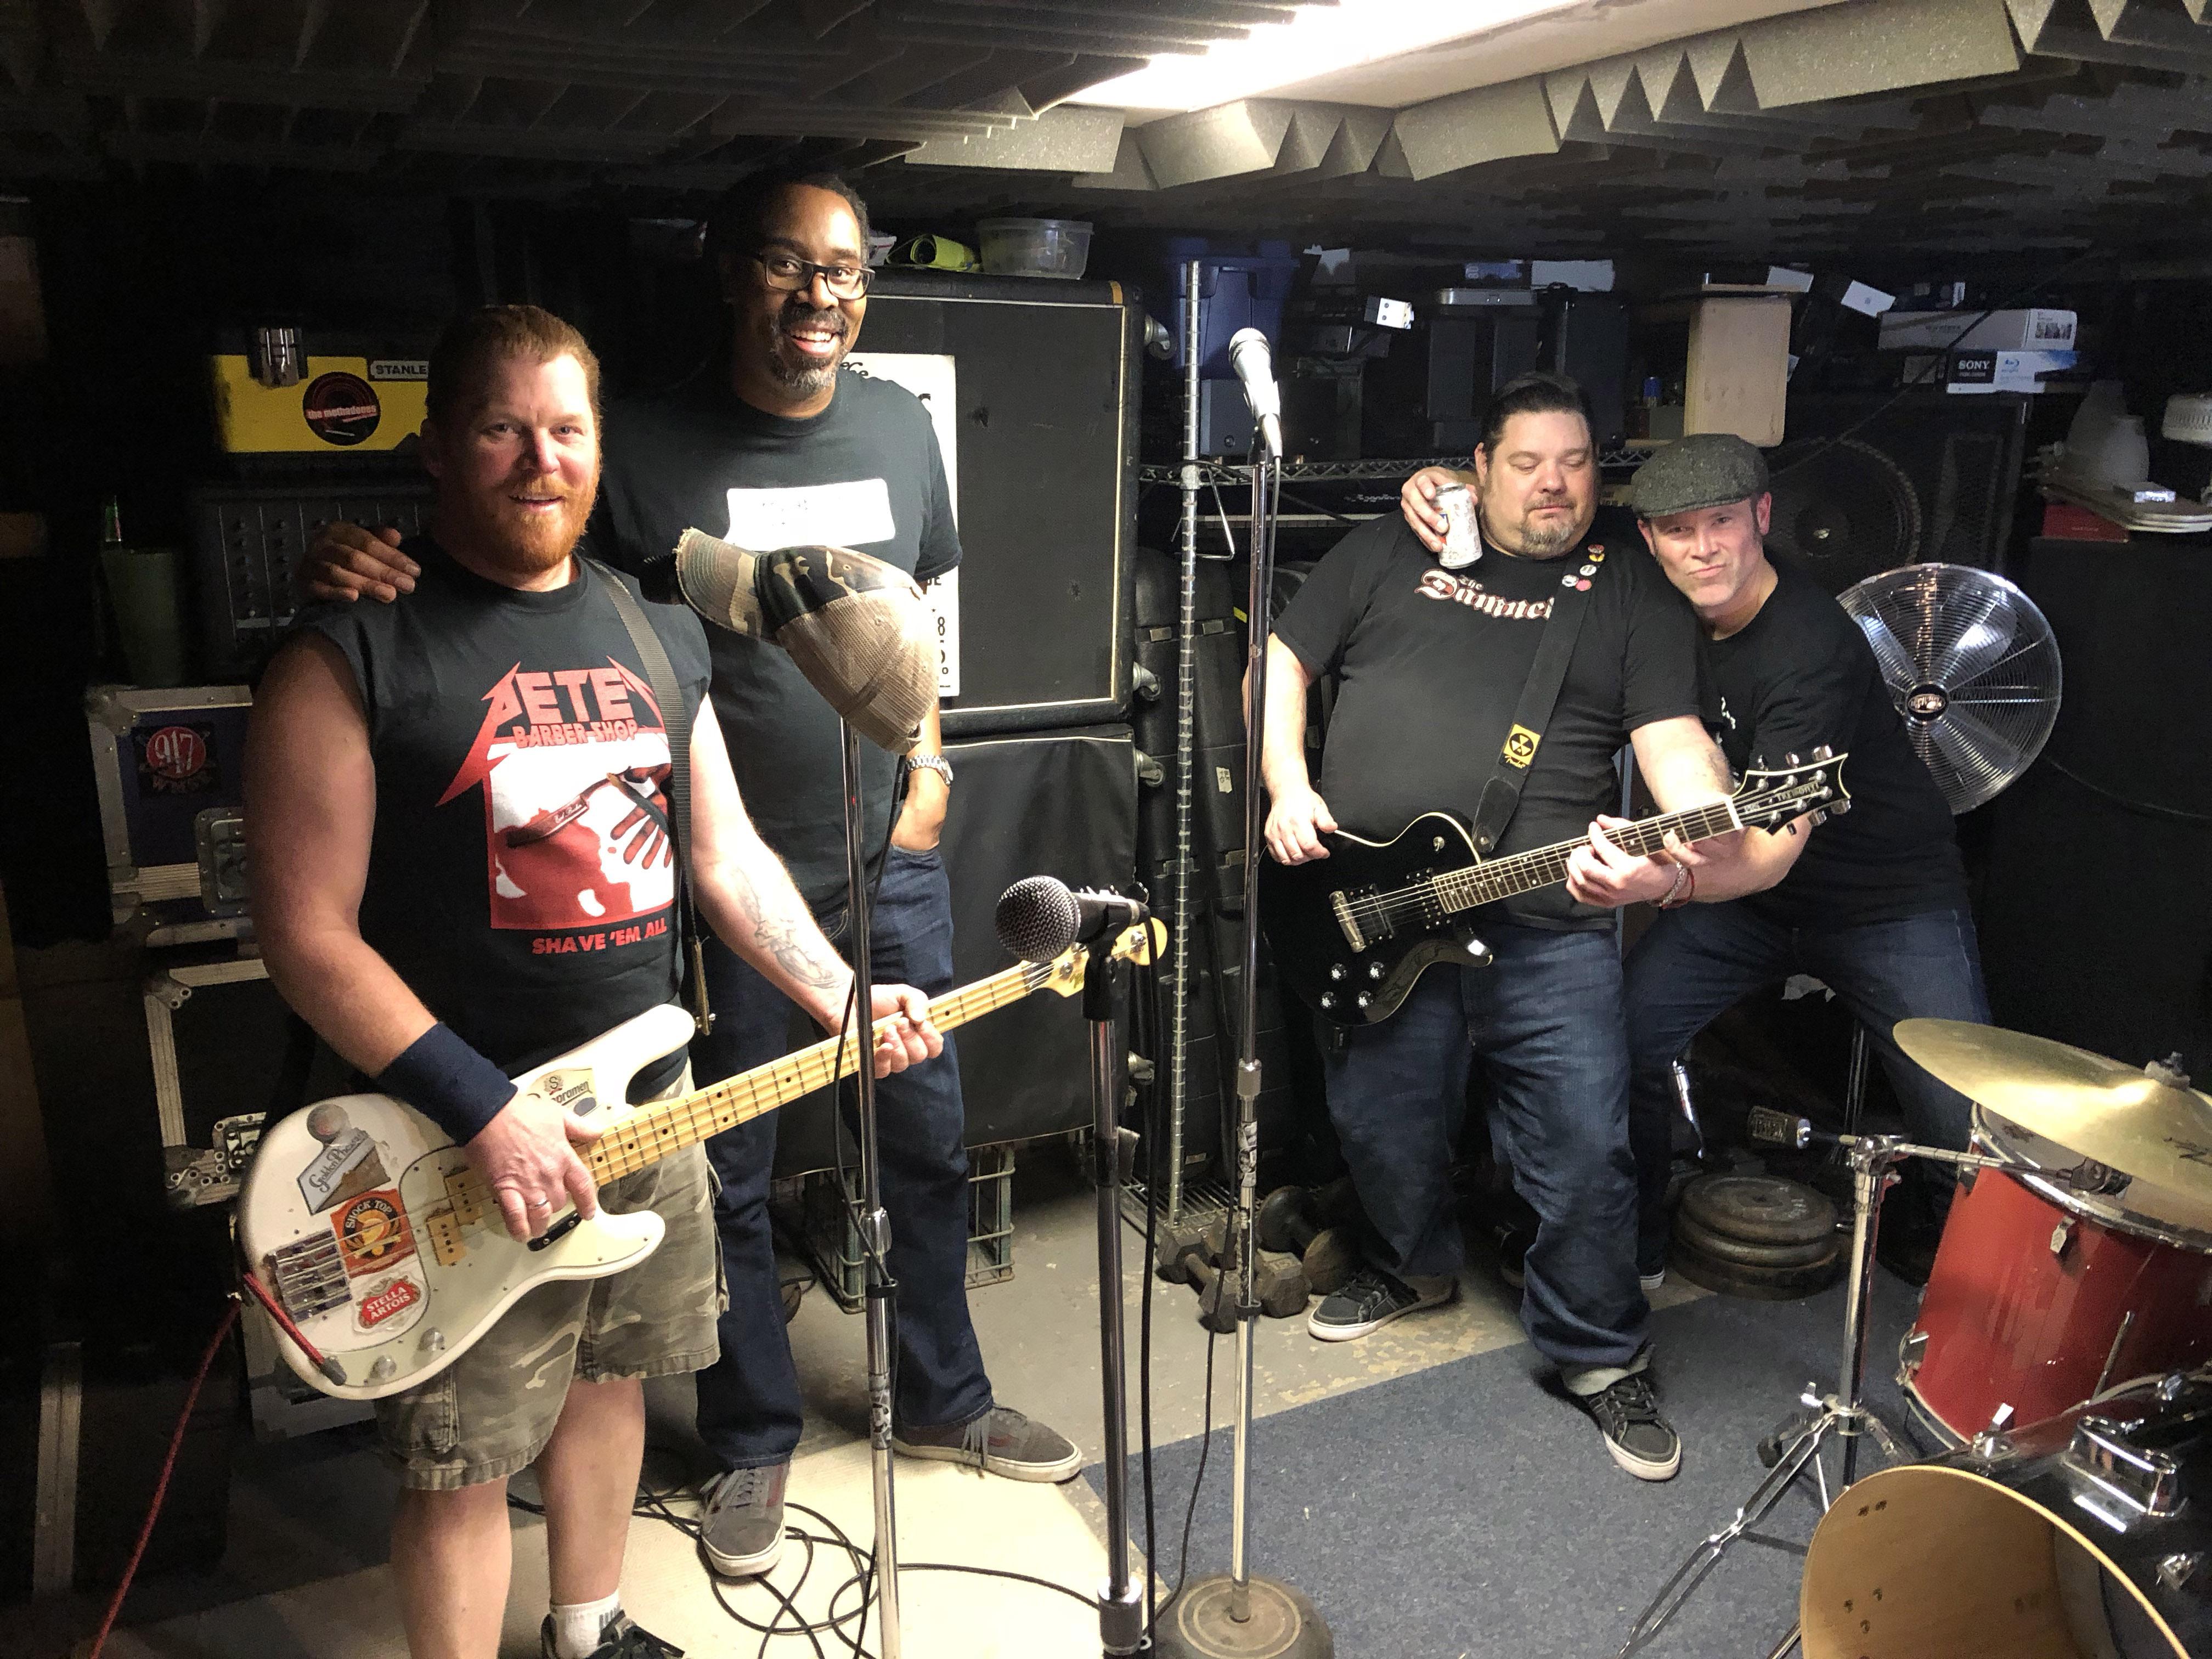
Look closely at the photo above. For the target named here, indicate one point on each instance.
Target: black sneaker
(1512, 1243)
(1372, 1299)
(1000, 1442)
(623, 1639)
(741, 1519)
(1627, 1414)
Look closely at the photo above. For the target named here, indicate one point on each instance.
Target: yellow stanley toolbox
(326, 404)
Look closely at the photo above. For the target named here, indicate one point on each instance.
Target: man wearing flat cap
(1873, 903)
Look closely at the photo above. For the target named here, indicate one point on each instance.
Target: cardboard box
(2005, 371)
(2000, 330)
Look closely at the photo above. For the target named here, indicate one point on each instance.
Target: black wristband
(442, 1077)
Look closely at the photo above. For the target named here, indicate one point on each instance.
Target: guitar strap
(1540, 696)
(675, 721)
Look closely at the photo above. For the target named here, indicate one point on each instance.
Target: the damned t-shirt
(865, 473)
(1430, 665)
(520, 879)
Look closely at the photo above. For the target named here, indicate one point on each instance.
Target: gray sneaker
(1000, 1442)
(742, 1523)
(1373, 1299)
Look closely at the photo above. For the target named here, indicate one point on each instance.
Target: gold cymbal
(2120, 1115)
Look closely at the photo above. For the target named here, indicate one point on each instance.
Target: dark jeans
(1696, 962)
(749, 1407)
(1545, 1016)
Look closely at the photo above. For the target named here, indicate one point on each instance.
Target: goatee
(802, 377)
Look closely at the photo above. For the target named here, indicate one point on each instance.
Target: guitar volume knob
(1374, 970)
(1336, 970)
(1327, 1000)
(1363, 999)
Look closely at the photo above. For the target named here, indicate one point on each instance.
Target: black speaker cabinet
(1059, 803)
(1048, 376)
(1866, 481)
(2096, 925)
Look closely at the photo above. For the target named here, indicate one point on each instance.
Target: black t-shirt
(1430, 665)
(520, 878)
(865, 473)
(1799, 676)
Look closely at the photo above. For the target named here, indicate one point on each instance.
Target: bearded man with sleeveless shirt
(464, 866)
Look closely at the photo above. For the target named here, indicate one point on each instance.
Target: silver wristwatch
(936, 763)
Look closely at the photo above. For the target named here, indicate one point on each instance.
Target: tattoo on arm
(787, 939)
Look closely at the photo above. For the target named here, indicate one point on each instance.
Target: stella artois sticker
(383, 1300)
(373, 1233)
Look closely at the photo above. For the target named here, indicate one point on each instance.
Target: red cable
(162, 1487)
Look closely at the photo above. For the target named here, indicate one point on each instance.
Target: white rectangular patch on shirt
(849, 515)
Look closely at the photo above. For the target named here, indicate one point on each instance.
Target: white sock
(577, 1626)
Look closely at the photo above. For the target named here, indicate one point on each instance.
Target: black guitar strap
(1540, 696)
(660, 674)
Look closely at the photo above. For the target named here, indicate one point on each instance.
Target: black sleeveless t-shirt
(521, 878)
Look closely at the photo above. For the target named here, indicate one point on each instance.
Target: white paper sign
(933, 378)
(850, 514)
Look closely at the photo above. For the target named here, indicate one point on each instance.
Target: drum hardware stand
(1120, 1599)
(1797, 1443)
(873, 1225)
(1221, 1616)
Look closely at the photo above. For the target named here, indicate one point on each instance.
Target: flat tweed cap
(1702, 470)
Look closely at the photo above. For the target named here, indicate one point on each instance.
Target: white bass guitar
(386, 1251)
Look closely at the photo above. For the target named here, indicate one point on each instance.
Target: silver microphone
(1248, 354)
(1039, 917)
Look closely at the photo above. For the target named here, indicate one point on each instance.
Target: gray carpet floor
(1466, 1512)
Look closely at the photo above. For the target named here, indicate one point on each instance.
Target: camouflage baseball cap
(1702, 470)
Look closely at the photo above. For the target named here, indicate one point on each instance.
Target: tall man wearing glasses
(786, 451)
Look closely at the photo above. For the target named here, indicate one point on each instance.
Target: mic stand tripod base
(1282, 1623)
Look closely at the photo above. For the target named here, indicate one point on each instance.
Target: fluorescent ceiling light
(1317, 39)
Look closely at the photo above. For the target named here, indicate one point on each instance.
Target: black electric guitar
(1351, 932)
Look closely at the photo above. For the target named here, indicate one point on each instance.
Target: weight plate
(1759, 1209)
(1757, 1284)
(1737, 1250)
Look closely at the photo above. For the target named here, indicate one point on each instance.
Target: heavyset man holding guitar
(1499, 692)
(462, 803)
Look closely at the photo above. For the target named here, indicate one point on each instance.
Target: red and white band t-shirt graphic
(574, 767)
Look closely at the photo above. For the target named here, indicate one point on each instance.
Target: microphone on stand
(1248, 354)
(1039, 918)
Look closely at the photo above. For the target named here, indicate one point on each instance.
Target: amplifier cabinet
(248, 542)
(1059, 803)
(1047, 380)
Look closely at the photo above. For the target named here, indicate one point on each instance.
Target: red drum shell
(2010, 1320)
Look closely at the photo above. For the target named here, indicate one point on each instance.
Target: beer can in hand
(1462, 541)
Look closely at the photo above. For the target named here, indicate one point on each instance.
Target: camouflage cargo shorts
(490, 1413)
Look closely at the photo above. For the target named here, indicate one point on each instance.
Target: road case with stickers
(363, 398)
(169, 768)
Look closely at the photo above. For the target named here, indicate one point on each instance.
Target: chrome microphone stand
(1120, 1599)
(1239, 1615)
(873, 1225)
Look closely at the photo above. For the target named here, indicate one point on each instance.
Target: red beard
(519, 540)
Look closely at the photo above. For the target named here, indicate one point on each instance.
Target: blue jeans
(1695, 963)
(750, 1411)
(1545, 1016)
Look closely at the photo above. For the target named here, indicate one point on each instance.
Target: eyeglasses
(790, 273)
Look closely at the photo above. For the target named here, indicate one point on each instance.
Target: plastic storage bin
(1034, 247)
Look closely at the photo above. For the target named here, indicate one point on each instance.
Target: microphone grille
(1037, 919)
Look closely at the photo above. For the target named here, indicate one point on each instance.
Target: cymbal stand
(874, 1223)
(1795, 1445)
